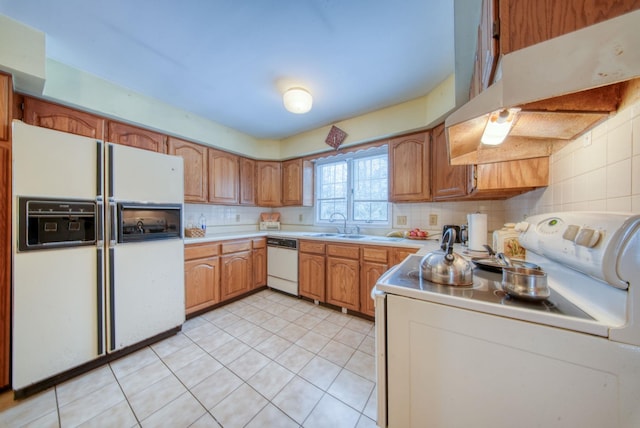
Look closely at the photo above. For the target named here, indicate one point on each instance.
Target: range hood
(563, 87)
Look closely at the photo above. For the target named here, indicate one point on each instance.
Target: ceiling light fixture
(498, 126)
(297, 100)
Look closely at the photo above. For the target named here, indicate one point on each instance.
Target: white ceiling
(231, 60)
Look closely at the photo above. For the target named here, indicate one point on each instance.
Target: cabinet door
(202, 283)
(343, 283)
(236, 276)
(311, 272)
(297, 183)
(195, 168)
(447, 181)
(369, 274)
(409, 168)
(527, 22)
(127, 135)
(268, 183)
(224, 177)
(247, 181)
(518, 174)
(259, 267)
(54, 116)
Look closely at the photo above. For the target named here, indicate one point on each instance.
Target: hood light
(498, 126)
(297, 100)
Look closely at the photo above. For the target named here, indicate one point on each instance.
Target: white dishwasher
(282, 264)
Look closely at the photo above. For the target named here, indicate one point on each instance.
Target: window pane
(355, 186)
(370, 211)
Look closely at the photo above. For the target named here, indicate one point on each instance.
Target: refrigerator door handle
(100, 224)
(113, 223)
(100, 300)
(112, 301)
(99, 170)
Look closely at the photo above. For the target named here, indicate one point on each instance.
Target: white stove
(581, 344)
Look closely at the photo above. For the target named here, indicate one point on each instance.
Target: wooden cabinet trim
(314, 247)
(229, 247)
(375, 254)
(346, 251)
(198, 251)
(259, 243)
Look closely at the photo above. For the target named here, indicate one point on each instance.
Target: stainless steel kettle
(446, 267)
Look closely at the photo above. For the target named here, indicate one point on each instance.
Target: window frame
(349, 158)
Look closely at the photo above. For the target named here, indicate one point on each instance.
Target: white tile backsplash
(599, 171)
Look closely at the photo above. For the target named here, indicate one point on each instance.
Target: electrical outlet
(401, 220)
(237, 218)
(300, 218)
(433, 219)
(586, 140)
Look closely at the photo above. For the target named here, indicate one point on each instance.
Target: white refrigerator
(105, 275)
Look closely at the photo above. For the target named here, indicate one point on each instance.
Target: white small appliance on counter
(475, 356)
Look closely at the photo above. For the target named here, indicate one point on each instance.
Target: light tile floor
(269, 360)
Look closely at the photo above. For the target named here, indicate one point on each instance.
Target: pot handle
(448, 238)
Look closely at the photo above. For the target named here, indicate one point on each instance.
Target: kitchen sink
(352, 236)
(386, 238)
(319, 235)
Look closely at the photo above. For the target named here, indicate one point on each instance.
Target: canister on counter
(505, 241)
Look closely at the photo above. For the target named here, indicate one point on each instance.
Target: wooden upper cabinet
(297, 182)
(247, 181)
(527, 22)
(195, 168)
(409, 168)
(268, 183)
(447, 181)
(523, 174)
(127, 135)
(65, 119)
(224, 177)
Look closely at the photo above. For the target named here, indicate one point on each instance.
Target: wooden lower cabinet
(344, 274)
(201, 276)
(236, 273)
(259, 262)
(202, 283)
(369, 274)
(343, 282)
(311, 272)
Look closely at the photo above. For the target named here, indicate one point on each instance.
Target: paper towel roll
(477, 231)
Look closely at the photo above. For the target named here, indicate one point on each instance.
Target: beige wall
(416, 114)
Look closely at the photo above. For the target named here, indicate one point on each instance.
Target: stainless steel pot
(524, 283)
(446, 267)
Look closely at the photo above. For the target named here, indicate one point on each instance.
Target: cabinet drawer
(312, 247)
(200, 251)
(375, 254)
(346, 251)
(259, 243)
(235, 246)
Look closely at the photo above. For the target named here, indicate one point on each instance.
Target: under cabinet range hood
(562, 88)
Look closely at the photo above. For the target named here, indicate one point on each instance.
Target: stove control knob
(571, 232)
(587, 237)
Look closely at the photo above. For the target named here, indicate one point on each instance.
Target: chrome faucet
(344, 218)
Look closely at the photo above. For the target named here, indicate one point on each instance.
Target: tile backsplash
(599, 171)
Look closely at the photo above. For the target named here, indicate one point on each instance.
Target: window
(353, 185)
